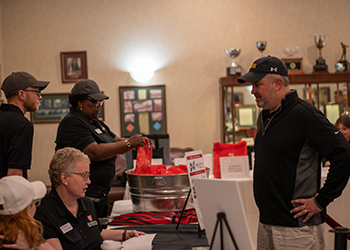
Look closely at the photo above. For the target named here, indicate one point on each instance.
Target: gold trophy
(321, 65)
(342, 65)
(234, 69)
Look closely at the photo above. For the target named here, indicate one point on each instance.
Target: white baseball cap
(17, 193)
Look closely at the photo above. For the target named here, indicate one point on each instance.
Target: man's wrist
(317, 204)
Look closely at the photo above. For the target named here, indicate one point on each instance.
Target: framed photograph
(246, 116)
(142, 110)
(332, 111)
(53, 107)
(73, 66)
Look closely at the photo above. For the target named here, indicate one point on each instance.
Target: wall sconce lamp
(142, 69)
(142, 75)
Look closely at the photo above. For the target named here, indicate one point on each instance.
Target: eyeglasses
(38, 92)
(37, 202)
(96, 103)
(85, 175)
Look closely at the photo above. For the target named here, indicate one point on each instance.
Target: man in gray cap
(292, 137)
(22, 91)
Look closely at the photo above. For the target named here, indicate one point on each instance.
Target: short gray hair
(64, 161)
(274, 77)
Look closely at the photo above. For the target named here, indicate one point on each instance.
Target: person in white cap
(18, 200)
(22, 91)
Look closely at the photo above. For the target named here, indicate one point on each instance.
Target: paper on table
(143, 242)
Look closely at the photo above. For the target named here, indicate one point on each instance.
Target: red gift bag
(227, 149)
(143, 159)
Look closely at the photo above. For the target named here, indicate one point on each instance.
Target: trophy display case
(239, 112)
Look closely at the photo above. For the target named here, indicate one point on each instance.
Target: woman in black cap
(82, 129)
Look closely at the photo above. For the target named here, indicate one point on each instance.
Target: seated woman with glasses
(81, 129)
(18, 200)
(70, 220)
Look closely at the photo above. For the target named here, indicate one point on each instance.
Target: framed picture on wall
(246, 116)
(73, 66)
(53, 107)
(332, 111)
(142, 110)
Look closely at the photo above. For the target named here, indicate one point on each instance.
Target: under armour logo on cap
(263, 66)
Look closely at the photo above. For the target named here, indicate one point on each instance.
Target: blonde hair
(11, 225)
(64, 161)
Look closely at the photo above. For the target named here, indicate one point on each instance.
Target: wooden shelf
(227, 83)
(297, 79)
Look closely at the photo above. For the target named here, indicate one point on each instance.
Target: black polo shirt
(81, 233)
(77, 131)
(16, 140)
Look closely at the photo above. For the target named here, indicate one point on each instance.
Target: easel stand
(220, 218)
(182, 212)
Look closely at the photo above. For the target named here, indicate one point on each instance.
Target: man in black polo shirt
(22, 91)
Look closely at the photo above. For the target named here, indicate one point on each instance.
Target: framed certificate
(246, 116)
(332, 111)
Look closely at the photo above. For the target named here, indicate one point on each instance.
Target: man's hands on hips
(307, 207)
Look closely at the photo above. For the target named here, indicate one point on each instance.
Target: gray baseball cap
(90, 88)
(19, 81)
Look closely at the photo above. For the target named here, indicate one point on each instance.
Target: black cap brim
(40, 84)
(251, 77)
(98, 96)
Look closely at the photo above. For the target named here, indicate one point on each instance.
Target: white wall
(186, 38)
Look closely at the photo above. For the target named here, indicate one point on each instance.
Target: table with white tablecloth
(338, 210)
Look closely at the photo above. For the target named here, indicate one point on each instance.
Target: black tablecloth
(167, 238)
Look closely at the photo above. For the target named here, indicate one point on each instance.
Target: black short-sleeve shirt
(16, 140)
(83, 232)
(77, 131)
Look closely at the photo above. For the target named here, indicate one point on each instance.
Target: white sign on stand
(196, 170)
(223, 196)
(234, 167)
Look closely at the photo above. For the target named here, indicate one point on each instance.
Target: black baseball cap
(21, 80)
(263, 66)
(90, 88)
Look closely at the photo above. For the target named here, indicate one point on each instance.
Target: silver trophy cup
(261, 45)
(234, 69)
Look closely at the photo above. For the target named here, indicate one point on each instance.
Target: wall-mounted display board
(53, 107)
(142, 110)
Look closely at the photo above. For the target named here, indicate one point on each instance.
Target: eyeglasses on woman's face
(96, 103)
(85, 175)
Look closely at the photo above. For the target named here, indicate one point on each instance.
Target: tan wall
(186, 38)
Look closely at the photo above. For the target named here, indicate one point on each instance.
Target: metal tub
(158, 192)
